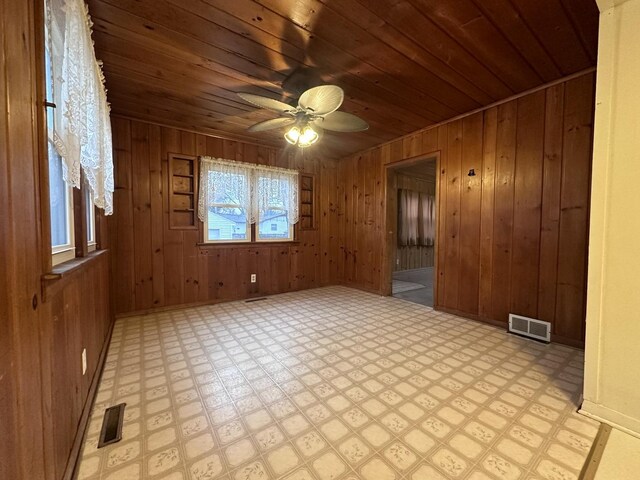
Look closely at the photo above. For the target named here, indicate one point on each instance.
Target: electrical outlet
(84, 361)
(253, 278)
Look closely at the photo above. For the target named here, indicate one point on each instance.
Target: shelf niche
(308, 204)
(183, 189)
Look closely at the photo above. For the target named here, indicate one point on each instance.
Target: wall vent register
(112, 425)
(530, 327)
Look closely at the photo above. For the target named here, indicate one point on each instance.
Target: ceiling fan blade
(342, 122)
(322, 100)
(271, 124)
(266, 102)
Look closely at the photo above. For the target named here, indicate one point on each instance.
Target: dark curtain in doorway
(416, 218)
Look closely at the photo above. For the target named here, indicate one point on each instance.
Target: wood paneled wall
(76, 316)
(21, 447)
(512, 238)
(154, 266)
(43, 328)
(414, 256)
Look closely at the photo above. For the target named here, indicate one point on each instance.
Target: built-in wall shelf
(183, 189)
(308, 204)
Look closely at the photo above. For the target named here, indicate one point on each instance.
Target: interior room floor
(621, 457)
(414, 285)
(334, 383)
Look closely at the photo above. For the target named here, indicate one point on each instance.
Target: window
(273, 224)
(226, 219)
(61, 207)
(242, 202)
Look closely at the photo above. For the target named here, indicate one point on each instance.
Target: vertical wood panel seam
(562, 161)
(541, 196)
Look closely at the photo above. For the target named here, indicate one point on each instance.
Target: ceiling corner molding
(209, 132)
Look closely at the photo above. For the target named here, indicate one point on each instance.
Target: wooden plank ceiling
(404, 64)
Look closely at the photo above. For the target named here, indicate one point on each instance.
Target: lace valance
(81, 127)
(254, 189)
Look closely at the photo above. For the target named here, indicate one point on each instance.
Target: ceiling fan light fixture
(292, 135)
(309, 137)
(317, 111)
(302, 137)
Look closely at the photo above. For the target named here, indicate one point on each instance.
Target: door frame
(390, 223)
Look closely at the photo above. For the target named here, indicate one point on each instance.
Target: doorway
(411, 218)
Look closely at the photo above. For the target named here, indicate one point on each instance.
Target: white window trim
(66, 252)
(91, 244)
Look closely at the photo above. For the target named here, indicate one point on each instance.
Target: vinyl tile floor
(334, 383)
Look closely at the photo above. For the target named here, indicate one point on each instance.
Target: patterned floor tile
(335, 384)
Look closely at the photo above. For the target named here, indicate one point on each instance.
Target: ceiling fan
(316, 110)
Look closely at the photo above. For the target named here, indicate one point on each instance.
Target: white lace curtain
(82, 128)
(416, 218)
(254, 189)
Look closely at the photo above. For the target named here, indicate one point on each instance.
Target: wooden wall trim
(62, 275)
(21, 451)
(390, 216)
(41, 138)
(357, 286)
(504, 325)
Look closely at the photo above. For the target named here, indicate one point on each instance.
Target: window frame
(90, 218)
(66, 252)
(253, 229)
(249, 227)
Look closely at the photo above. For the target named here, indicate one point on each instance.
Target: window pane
(227, 224)
(58, 198)
(49, 91)
(90, 215)
(274, 225)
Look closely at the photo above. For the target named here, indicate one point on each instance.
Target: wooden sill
(291, 243)
(53, 281)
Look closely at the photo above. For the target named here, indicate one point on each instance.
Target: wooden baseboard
(471, 316)
(74, 456)
(362, 287)
(180, 306)
(567, 341)
(169, 308)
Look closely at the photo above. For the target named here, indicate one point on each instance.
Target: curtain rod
(253, 166)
